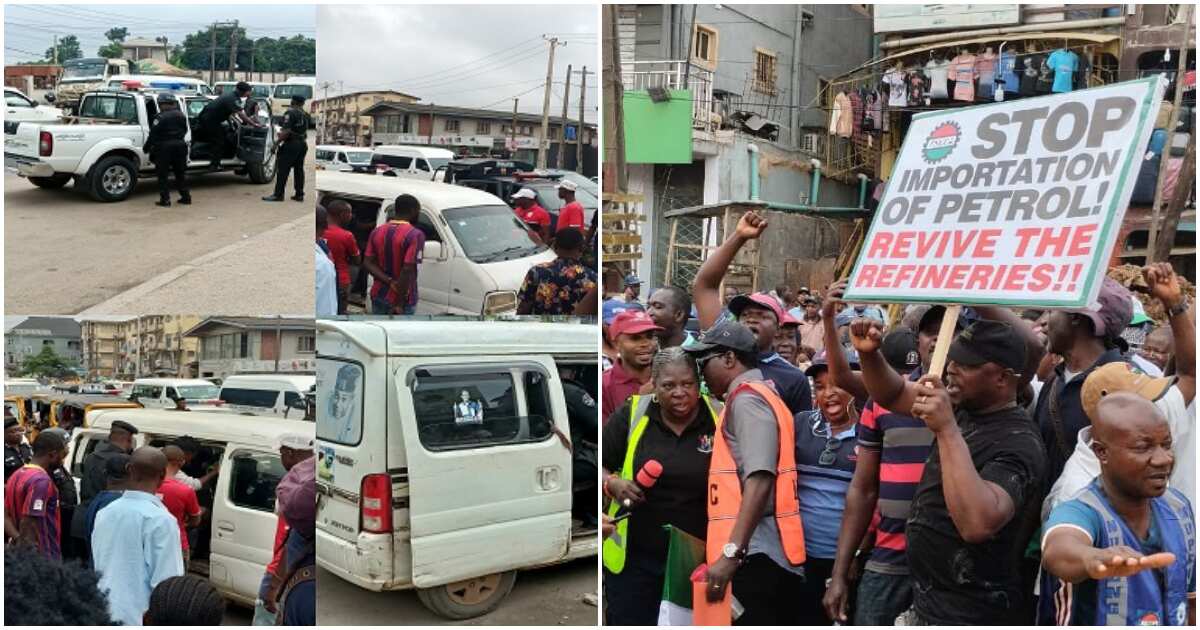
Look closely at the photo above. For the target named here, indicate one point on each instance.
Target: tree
(46, 363)
(68, 48)
(294, 55)
(115, 36)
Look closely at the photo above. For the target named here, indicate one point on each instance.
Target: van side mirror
(433, 250)
(49, 97)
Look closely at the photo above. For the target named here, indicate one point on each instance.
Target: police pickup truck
(100, 149)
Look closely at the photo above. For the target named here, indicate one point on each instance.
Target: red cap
(757, 299)
(630, 323)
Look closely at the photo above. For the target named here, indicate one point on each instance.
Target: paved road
(236, 615)
(65, 253)
(544, 597)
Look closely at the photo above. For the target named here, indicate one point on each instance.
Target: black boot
(272, 198)
(185, 198)
(298, 197)
(164, 202)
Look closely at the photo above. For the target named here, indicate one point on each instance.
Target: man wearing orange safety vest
(755, 540)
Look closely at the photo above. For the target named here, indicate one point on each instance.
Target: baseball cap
(567, 184)
(821, 362)
(1118, 377)
(900, 350)
(1139, 313)
(295, 441)
(165, 97)
(988, 341)
(524, 193)
(738, 303)
(726, 334)
(630, 323)
(613, 307)
(933, 316)
(788, 320)
(632, 279)
(1114, 309)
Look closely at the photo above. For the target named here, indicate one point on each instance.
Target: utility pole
(253, 49)
(543, 140)
(562, 127)
(56, 50)
(233, 42)
(579, 129)
(212, 54)
(1156, 210)
(1183, 187)
(322, 133)
(512, 133)
(615, 178)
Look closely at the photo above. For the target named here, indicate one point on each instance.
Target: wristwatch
(1180, 308)
(733, 552)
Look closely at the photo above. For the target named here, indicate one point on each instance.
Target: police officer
(216, 112)
(168, 150)
(119, 442)
(16, 452)
(68, 500)
(581, 418)
(292, 149)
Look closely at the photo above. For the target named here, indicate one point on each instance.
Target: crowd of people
(836, 478)
(122, 547)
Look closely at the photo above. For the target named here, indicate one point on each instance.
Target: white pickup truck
(101, 149)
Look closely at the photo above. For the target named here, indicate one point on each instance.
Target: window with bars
(452, 125)
(483, 127)
(764, 71)
(704, 46)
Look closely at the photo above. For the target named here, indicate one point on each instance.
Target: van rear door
(489, 471)
(244, 520)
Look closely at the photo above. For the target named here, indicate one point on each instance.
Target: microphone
(645, 479)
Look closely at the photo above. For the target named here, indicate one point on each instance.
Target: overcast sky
(462, 55)
(30, 29)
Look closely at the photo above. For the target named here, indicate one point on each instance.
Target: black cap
(726, 334)
(116, 467)
(900, 350)
(124, 426)
(934, 315)
(987, 341)
(297, 99)
(821, 362)
(165, 97)
(10, 421)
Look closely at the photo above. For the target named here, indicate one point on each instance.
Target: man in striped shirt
(31, 514)
(392, 257)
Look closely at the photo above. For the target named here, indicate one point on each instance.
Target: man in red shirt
(343, 248)
(531, 214)
(635, 336)
(179, 499)
(393, 254)
(31, 513)
(571, 214)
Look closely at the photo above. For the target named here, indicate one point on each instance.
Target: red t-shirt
(571, 215)
(342, 247)
(533, 215)
(281, 534)
(181, 502)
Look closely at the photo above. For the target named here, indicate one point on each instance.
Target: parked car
(162, 392)
(457, 475)
(21, 108)
(476, 250)
(283, 92)
(503, 178)
(161, 82)
(332, 157)
(102, 152)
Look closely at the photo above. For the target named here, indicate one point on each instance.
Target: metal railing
(641, 75)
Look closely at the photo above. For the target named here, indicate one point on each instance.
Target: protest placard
(1015, 203)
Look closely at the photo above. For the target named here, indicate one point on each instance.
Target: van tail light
(45, 143)
(376, 504)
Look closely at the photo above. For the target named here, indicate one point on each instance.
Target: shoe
(165, 203)
(297, 197)
(185, 200)
(272, 198)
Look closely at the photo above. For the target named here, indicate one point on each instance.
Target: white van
(279, 395)
(160, 393)
(283, 93)
(410, 161)
(476, 251)
(237, 535)
(24, 387)
(258, 89)
(161, 82)
(442, 458)
(334, 157)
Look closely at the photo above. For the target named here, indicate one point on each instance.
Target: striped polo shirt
(394, 245)
(904, 443)
(31, 493)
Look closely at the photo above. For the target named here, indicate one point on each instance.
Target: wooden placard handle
(937, 364)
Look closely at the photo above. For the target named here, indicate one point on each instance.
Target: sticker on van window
(467, 411)
(325, 460)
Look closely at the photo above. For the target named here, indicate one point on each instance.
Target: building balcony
(643, 75)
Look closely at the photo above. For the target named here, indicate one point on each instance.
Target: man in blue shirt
(1123, 551)
(135, 543)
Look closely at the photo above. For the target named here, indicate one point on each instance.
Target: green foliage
(47, 363)
(68, 48)
(116, 34)
(294, 55)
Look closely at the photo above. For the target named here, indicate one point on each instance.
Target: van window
(249, 397)
(459, 408)
(93, 442)
(395, 161)
(324, 154)
(339, 412)
(255, 475)
(341, 157)
(148, 391)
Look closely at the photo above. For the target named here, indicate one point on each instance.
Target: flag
(684, 553)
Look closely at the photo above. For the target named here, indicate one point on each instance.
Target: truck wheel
(54, 182)
(113, 179)
(468, 598)
(262, 172)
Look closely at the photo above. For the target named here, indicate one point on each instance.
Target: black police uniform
(292, 152)
(68, 500)
(211, 118)
(167, 149)
(581, 416)
(15, 457)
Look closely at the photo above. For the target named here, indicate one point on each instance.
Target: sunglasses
(703, 361)
(829, 455)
